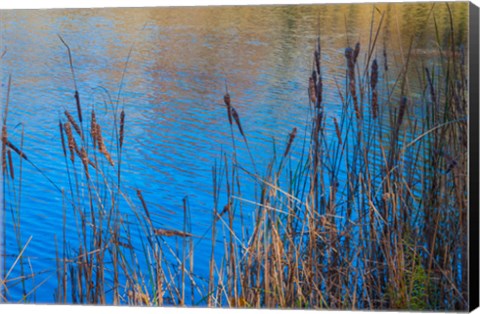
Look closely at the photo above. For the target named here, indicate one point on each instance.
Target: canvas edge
(473, 295)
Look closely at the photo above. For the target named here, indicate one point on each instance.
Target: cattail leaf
(226, 100)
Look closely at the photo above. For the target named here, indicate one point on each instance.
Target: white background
(44, 4)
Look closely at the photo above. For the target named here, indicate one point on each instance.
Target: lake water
(172, 92)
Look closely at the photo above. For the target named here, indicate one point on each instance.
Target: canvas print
(280, 156)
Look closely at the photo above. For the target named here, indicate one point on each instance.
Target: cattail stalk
(17, 150)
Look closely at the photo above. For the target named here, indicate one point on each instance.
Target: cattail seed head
(93, 129)
(237, 120)
(291, 138)
(101, 145)
(60, 125)
(337, 130)
(72, 146)
(401, 111)
(74, 124)
(79, 108)
(84, 157)
(385, 62)
(312, 90)
(319, 92)
(122, 126)
(374, 74)
(356, 52)
(4, 147)
(350, 56)
(226, 100)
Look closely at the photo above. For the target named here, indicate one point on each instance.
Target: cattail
(72, 146)
(16, 150)
(4, 146)
(319, 91)
(237, 121)
(122, 126)
(337, 130)
(74, 124)
(144, 204)
(79, 108)
(317, 61)
(60, 125)
(226, 208)
(101, 145)
(171, 233)
(401, 111)
(374, 75)
(356, 52)
(10, 164)
(374, 104)
(226, 100)
(291, 137)
(432, 88)
(385, 63)
(93, 129)
(318, 123)
(312, 90)
(373, 84)
(84, 157)
(349, 55)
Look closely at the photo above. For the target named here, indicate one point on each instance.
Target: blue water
(172, 94)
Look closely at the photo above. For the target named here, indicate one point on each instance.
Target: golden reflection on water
(232, 37)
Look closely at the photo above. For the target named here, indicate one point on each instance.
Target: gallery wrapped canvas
(320, 156)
